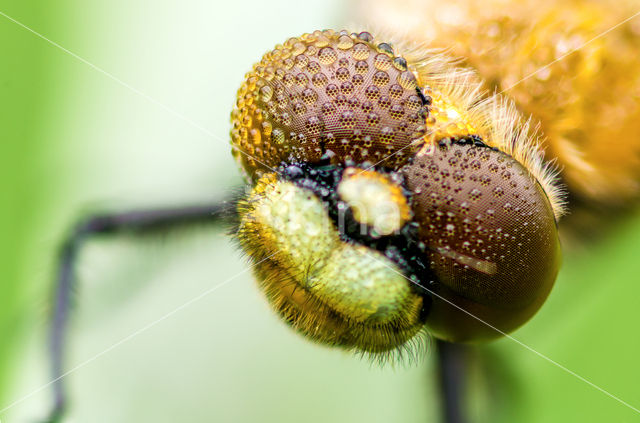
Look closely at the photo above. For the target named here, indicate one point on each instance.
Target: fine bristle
(493, 116)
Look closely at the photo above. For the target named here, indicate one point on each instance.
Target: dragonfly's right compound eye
(385, 200)
(491, 235)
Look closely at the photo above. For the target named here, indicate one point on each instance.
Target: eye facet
(388, 196)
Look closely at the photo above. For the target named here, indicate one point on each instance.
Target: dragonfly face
(385, 198)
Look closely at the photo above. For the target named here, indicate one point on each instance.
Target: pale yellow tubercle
(376, 201)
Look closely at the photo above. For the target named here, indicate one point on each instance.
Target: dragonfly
(466, 135)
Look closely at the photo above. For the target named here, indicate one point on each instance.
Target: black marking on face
(403, 247)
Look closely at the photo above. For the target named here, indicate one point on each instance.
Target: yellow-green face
(369, 218)
(315, 279)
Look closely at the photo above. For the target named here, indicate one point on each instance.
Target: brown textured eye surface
(327, 90)
(492, 238)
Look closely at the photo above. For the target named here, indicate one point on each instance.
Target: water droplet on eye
(382, 62)
(384, 102)
(288, 80)
(400, 63)
(256, 137)
(328, 108)
(342, 74)
(413, 102)
(407, 80)
(345, 42)
(277, 136)
(322, 41)
(265, 93)
(360, 51)
(365, 36)
(380, 78)
(341, 100)
(458, 176)
(372, 92)
(299, 108)
(387, 134)
(281, 100)
(385, 48)
(367, 106)
(298, 48)
(309, 96)
(347, 119)
(485, 180)
(313, 126)
(313, 67)
(332, 90)
(319, 79)
(395, 92)
(266, 128)
(361, 67)
(327, 56)
(311, 50)
(346, 88)
(302, 79)
(396, 111)
(301, 61)
(373, 119)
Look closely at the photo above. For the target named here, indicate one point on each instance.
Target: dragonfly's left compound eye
(381, 200)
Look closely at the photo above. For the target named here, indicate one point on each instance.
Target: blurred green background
(74, 139)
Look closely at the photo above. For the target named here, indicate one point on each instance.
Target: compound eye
(491, 237)
(328, 91)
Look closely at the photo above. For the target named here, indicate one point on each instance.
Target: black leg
(148, 221)
(452, 372)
